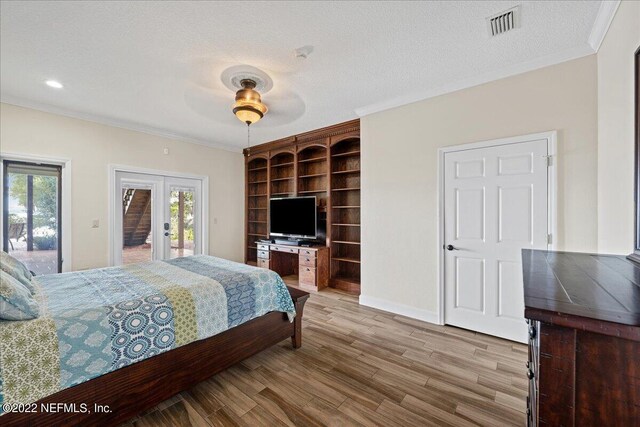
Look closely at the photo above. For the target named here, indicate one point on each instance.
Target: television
(293, 217)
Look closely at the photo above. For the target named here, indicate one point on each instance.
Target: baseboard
(401, 309)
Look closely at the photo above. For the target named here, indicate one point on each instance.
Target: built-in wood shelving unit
(345, 216)
(325, 164)
(257, 204)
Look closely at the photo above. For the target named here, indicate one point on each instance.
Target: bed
(127, 338)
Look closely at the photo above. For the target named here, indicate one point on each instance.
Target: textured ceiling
(156, 66)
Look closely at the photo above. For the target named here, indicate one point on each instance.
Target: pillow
(16, 302)
(16, 269)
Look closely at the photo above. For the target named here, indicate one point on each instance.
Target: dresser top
(600, 287)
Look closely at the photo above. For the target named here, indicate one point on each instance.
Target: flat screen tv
(293, 217)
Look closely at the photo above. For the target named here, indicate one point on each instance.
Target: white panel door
(495, 205)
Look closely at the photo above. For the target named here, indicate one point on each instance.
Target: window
(32, 215)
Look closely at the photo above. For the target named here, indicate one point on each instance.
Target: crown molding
(602, 23)
(7, 99)
(523, 67)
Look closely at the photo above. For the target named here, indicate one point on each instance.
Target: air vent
(504, 21)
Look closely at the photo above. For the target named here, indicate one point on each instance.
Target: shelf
(253, 263)
(349, 171)
(258, 182)
(252, 247)
(312, 191)
(348, 279)
(346, 207)
(350, 153)
(282, 194)
(258, 169)
(347, 225)
(258, 209)
(281, 179)
(344, 242)
(258, 222)
(279, 165)
(312, 176)
(351, 260)
(257, 195)
(346, 189)
(315, 159)
(259, 235)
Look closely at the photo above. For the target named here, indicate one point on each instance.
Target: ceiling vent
(504, 21)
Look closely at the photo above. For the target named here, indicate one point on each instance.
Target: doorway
(156, 217)
(495, 202)
(32, 215)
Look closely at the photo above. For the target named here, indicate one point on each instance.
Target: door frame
(552, 194)
(65, 211)
(113, 169)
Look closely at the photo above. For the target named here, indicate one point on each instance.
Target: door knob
(451, 248)
(166, 234)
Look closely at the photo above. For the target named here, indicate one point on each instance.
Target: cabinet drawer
(307, 276)
(263, 263)
(284, 249)
(263, 247)
(263, 254)
(307, 253)
(307, 261)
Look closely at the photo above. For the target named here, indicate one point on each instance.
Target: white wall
(399, 172)
(92, 147)
(615, 130)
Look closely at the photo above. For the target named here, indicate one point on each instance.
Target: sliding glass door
(160, 217)
(32, 215)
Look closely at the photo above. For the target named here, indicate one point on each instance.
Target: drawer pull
(308, 269)
(308, 260)
(529, 374)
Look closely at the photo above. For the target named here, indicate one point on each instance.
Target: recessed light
(54, 84)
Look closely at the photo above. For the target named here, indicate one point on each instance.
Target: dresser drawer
(263, 263)
(285, 249)
(307, 253)
(263, 254)
(262, 247)
(307, 276)
(307, 261)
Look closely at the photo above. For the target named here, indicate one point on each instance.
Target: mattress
(96, 321)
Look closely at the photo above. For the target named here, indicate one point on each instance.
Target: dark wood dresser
(583, 313)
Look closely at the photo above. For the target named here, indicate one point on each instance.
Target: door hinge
(549, 239)
(549, 159)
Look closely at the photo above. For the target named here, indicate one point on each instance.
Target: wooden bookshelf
(324, 163)
(282, 177)
(257, 203)
(312, 172)
(345, 215)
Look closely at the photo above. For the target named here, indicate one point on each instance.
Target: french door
(159, 217)
(496, 204)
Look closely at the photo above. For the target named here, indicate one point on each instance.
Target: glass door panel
(181, 223)
(137, 231)
(183, 215)
(32, 211)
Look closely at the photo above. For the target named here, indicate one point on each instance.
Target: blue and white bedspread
(97, 321)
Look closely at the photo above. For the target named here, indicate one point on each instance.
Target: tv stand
(310, 264)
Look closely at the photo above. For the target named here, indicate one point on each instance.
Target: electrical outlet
(95, 223)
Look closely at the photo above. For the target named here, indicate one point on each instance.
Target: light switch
(166, 151)
(95, 223)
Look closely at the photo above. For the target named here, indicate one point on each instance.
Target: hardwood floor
(361, 366)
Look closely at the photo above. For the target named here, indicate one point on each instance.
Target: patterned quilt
(97, 321)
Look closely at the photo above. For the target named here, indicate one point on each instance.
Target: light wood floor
(360, 366)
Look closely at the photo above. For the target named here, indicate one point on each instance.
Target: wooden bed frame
(135, 388)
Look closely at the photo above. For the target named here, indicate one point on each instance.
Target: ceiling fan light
(249, 107)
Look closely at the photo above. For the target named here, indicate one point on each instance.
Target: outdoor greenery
(188, 215)
(45, 199)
